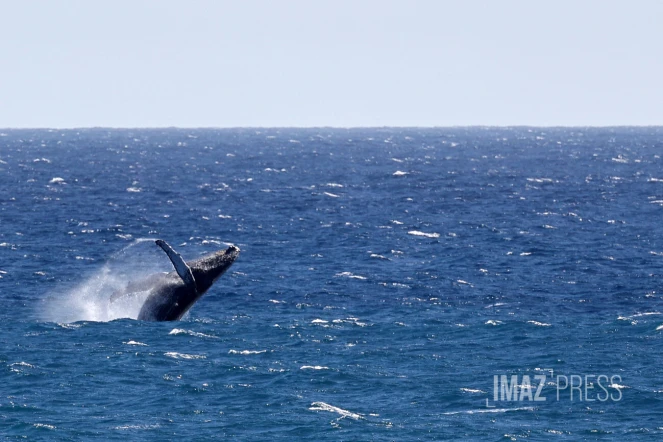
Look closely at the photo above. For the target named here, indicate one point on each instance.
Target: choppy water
(392, 283)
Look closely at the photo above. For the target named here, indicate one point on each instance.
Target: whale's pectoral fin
(181, 268)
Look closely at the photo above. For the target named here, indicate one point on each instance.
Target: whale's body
(172, 294)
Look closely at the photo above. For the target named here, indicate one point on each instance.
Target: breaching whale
(172, 294)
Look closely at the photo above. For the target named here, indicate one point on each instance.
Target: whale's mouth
(232, 250)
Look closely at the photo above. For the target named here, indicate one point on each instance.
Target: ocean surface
(393, 284)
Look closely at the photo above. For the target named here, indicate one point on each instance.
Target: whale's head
(209, 268)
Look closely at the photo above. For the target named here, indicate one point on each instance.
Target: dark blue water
(394, 284)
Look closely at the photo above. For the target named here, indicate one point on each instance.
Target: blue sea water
(394, 284)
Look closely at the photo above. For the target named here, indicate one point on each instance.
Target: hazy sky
(198, 63)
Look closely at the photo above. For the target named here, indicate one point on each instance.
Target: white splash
(89, 300)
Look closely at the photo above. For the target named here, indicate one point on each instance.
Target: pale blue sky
(345, 63)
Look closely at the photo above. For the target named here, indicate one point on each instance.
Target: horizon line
(468, 126)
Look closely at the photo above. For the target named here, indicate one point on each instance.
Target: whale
(171, 295)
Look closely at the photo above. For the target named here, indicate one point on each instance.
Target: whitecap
(400, 173)
(322, 406)
(211, 241)
(424, 234)
(489, 410)
(68, 325)
(313, 367)
(354, 321)
(493, 322)
(638, 315)
(175, 355)
(246, 352)
(134, 343)
(57, 180)
(136, 427)
(539, 324)
(319, 321)
(331, 195)
(21, 364)
(133, 189)
(497, 304)
(350, 275)
(471, 390)
(181, 331)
